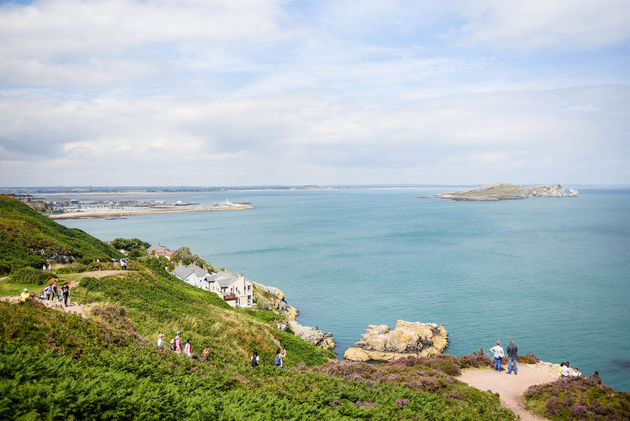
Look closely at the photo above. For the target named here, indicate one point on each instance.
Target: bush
(31, 276)
(577, 398)
(528, 359)
(130, 244)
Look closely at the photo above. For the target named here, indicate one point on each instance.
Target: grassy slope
(23, 228)
(156, 304)
(59, 366)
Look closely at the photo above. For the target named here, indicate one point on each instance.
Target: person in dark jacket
(512, 351)
(65, 292)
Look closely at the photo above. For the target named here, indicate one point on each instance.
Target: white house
(234, 289)
(192, 274)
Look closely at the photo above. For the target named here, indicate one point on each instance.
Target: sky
(295, 92)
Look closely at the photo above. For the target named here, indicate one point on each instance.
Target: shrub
(528, 359)
(31, 276)
(577, 398)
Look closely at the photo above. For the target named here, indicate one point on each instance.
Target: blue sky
(246, 92)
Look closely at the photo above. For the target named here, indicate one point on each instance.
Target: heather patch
(578, 398)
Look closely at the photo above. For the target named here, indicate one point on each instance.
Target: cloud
(263, 140)
(535, 24)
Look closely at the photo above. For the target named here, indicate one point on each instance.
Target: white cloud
(534, 24)
(291, 139)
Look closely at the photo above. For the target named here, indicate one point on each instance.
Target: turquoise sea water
(554, 274)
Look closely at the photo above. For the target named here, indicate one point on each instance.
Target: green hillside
(57, 365)
(28, 238)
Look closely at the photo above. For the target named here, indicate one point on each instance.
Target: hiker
(498, 354)
(280, 354)
(55, 291)
(160, 342)
(178, 343)
(206, 354)
(512, 351)
(595, 377)
(566, 369)
(65, 292)
(188, 347)
(576, 372)
(47, 292)
(123, 264)
(255, 359)
(24, 295)
(44, 268)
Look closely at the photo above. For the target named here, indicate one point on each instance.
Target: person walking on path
(188, 347)
(24, 295)
(178, 343)
(47, 292)
(160, 341)
(498, 354)
(65, 291)
(255, 359)
(278, 361)
(512, 351)
(55, 291)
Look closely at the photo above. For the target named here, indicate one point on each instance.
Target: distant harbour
(118, 213)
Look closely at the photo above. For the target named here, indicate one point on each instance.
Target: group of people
(565, 370)
(278, 361)
(512, 353)
(178, 346)
(49, 293)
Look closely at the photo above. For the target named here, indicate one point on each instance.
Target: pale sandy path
(511, 387)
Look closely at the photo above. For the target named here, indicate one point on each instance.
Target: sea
(553, 274)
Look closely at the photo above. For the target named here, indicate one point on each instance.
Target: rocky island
(415, 339)
(507, 191)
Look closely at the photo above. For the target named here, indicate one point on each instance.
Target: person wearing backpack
(205, 354)
(179, 345)
(65, 292)
(278, 361)
(255, 359)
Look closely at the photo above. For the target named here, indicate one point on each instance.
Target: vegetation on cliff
(28, 238)
(578, 398)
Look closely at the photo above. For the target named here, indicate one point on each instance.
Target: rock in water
(573, 193)
(313, 335)
(380, 343)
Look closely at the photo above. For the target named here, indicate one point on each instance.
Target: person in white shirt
(160, 341)
(566, 369)
(498, 354)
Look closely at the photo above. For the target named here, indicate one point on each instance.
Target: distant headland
(507, 191)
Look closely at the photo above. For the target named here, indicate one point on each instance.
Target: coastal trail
(511, 387)
(73, 281)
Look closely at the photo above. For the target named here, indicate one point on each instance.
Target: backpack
(277, 361)
(173, 344)
(254, 361)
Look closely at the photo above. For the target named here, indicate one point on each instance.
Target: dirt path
(101, 273)
(511, 387)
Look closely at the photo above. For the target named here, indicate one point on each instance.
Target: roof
(182, 272)
(156, 248)
(224, 279)
(197, 270)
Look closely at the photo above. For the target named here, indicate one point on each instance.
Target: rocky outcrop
(573, 193)
(506, 191)
(313, 335)
(272, 298)
(380, 343)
